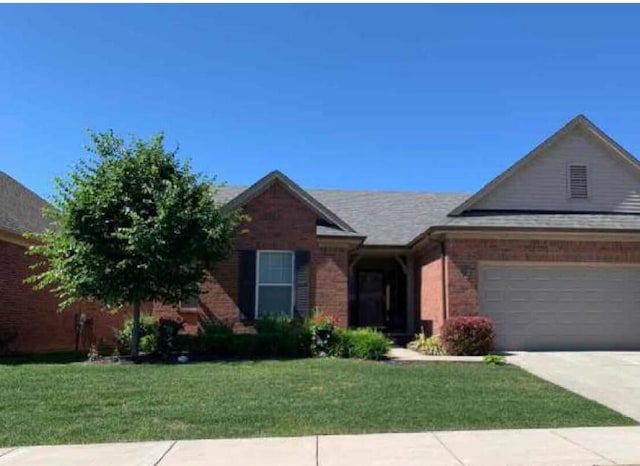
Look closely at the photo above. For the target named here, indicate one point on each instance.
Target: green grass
(65, 403)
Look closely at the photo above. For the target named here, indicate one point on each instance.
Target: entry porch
(382, 291)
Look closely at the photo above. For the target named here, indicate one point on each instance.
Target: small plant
(324, 334)
(94, 354)
(467, 336)
(115, 356)
(494, 360)
(430, 346)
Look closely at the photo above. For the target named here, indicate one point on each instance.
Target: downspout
(445, 304)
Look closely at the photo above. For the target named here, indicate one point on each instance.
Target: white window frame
(292, 284)
(587, 168)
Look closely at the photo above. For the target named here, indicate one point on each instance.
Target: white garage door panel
(562, 306)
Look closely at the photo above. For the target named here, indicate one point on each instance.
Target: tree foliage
(131, 224)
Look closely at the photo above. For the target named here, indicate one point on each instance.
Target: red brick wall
(429, 285)
(33, 314)
(279, 221)
(332, 278)
(463, 255)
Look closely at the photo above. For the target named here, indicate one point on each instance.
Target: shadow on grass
(44, 358)
(81, 356)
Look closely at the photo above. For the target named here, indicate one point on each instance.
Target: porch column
(411, 296)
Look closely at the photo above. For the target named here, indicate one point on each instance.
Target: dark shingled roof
(534, 220)
(385, 218)
(20, 208)
(397, 218)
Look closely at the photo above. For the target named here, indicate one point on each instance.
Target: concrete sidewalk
(557, 447)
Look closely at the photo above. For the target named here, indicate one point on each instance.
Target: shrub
(148, 334)
(430, 346)
(325, 338)
(364, 343)
(274, 337)
(7, 337)
(494, 360)
(274, 324)
(467, 336)
(167, 331)
(213, 326)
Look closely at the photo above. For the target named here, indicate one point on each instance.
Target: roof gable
(538, 180)
(262, 184)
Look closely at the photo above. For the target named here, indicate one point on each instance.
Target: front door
(370, 301)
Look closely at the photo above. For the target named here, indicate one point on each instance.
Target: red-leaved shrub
(467, 336)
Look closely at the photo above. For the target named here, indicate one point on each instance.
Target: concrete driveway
(610, 378)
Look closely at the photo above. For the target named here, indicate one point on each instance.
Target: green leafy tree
(131, 224)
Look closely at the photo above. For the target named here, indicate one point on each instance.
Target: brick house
(29, 320)
(550, 250)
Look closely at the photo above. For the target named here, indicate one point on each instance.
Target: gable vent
(578, 182)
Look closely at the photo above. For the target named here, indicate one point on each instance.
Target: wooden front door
(371, 299)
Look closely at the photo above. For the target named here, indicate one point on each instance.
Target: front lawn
(74, 403)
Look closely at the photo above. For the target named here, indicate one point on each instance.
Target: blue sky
(407, 97)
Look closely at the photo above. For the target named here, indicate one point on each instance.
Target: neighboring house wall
(464, 256)
(278, 221)
(429, 273)
(541, 184)
(33, 317)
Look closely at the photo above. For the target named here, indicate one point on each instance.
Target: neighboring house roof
(579, 121)
(20, 208)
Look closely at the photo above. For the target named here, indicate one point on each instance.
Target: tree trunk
(135, 334)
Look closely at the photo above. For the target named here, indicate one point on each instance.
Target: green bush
(324, 334)
(494, 360)
(274, 338)
(205, 344)
(363, 343)
(167, 331)
(430, 346)
(149, 331)
(212, 326)
(285, 338)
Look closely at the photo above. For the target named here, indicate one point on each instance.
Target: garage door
(562, 307)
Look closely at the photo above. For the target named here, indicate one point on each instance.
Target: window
(578, 181)
(192, 302)
(274, 283)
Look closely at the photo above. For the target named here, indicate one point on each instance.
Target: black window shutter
(302, 305)
(247, 285)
